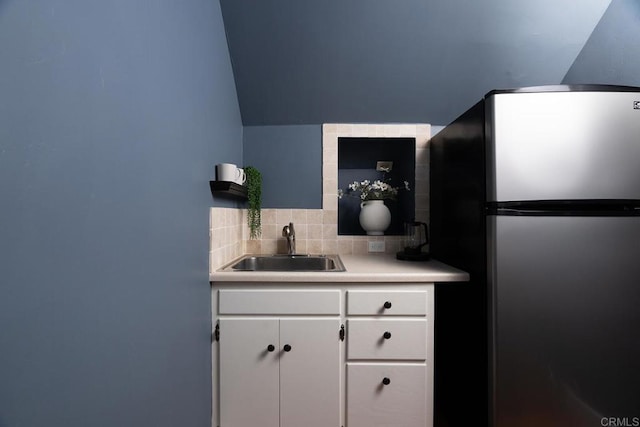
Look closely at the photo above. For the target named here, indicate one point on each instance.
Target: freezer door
(563, 146)
(565, 312)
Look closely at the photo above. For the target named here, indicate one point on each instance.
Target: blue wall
(112, 115)
(612, 53)
(362, 61)
(290, 161)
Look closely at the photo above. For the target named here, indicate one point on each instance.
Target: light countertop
(377, 268)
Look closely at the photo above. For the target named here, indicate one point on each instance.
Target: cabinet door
(387, 396)
(249, 373)
(309, 373)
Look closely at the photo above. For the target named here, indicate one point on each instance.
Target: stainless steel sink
(287, 263)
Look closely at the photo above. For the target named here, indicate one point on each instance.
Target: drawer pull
(387, 335)
(386, 381)
(387, 304)
(287, 348)
(270, 348)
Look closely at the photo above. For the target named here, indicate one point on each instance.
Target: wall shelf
(228, 188)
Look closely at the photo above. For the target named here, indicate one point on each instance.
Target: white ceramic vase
(375, 217)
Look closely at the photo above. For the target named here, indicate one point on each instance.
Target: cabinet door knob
(386, 381)
(287, 347)
(387, 304)
(387, 335)
(270, 348)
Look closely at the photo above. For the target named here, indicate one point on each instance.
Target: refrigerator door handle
(565, 208)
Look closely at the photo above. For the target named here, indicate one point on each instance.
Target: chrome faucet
(290, 234)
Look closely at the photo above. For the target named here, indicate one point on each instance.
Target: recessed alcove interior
(357, 160)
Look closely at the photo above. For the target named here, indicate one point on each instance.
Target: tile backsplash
(316, 233)
(226, 235)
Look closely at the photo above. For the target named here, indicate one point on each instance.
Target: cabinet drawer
(278, 302)
(387, 339)
(400, 403)
(387, 303)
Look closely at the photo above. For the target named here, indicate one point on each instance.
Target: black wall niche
(357, 158)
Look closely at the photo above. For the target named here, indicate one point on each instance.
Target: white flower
(376, 190)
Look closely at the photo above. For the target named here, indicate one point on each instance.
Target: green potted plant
(254, 194)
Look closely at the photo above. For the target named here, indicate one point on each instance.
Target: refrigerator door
(563, 146)
(566, 318)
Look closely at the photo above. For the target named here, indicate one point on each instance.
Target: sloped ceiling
(317, 61)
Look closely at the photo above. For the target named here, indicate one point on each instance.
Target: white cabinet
(390, 358)
(278, 371)
(283, 358)
(310, 373)
(249, 372)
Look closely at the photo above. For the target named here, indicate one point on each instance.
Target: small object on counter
(416, 236)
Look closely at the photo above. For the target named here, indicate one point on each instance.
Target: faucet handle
(288, 231)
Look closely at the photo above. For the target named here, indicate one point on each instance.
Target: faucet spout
(290, 234)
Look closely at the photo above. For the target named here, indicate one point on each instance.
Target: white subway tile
(314, 231)
(344, 129)
(283, 217)
(268, 216)
(345, 246)
(330, 246)
(269, 246)
(360, 246)
(330, 202)
(330, 187)
(407, 130)
(329, 216)
(299, 216)
(359, 130)
(314, 246)
(301, 230)
(314, 216)
(423, 129)
(329, 231)
(253, 246)
(329, 171)
(301, 246)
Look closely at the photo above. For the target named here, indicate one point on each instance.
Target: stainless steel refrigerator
(536, 192)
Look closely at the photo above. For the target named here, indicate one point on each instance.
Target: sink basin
(287, 263)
